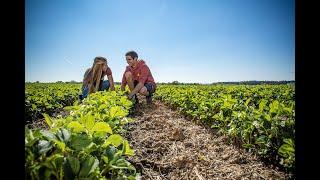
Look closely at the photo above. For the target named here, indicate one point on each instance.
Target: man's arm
(136, 90)
(110, 78)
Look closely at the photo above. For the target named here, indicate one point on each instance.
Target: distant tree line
(230, 82)
(177, 83)
(256, 82)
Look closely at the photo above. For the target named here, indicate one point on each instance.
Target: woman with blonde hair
(93, 79)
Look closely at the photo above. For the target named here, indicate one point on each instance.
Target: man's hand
(130, 96)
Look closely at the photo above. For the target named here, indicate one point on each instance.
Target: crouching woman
(93, 79)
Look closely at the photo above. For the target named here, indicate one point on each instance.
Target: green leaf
(137, 177)
(88, 121)
(124, 100)
(33, 106)
(110, 152)
(61, 145)
(47, 119)
(114, 139)
(47, 173)
(75, 126)
(44, 146)
(80, 141)
(248, 146)
(247, 101)
(88, 166)
(102, 107)
(289, 142)
(70, 108)
(67, 171)
(261, 140)
(126, 149)
(123, 164)
(49, 135)
(102, 127)
(262, 104)
(74, 164)
(117, 112)
(63, 135)
(57, 161)
(287, 149)
(267, 116)
(105, 159)
(274, 106)
(288, 110)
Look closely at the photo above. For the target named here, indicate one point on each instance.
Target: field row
(260, 118)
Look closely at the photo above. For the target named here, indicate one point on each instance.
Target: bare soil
(169, 146)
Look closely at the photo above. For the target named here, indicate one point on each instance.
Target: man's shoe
(136, 99)
(149, 99)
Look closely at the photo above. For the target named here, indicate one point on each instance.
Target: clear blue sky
(200, 41)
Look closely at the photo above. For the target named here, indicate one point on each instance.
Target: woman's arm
(110, 78)
(123, 82)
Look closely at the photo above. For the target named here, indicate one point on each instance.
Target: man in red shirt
(138, 77)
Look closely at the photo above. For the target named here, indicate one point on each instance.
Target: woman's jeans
(85, 90)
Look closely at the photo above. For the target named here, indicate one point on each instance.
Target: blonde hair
(93, 76)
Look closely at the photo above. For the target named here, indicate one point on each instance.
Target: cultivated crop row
(260, 118)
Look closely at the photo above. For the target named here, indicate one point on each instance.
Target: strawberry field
(105, 137)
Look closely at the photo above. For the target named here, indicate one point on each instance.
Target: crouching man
(138, 77)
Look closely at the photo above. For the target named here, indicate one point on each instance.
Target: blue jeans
(105, 86)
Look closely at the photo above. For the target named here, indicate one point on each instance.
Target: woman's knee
(85, 92)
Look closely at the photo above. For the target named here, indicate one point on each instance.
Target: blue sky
(201, 41)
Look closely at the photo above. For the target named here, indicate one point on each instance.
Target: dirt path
(168, 146)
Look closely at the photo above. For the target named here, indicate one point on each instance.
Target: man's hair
(133, 54)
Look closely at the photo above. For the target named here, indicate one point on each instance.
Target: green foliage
(287, 152)
(46, 98)
(83, 145)
(259, 116)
